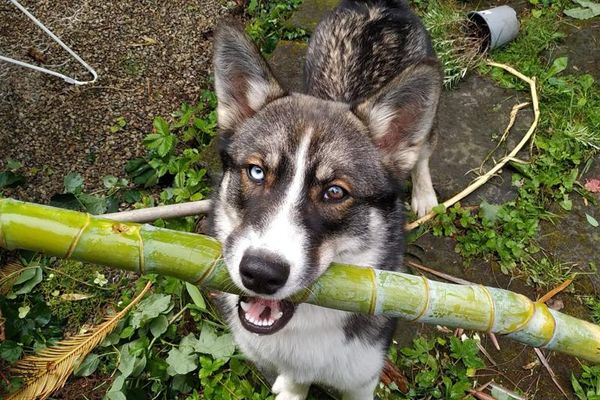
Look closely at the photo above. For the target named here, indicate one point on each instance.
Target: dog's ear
(401, 114)
(243, 81)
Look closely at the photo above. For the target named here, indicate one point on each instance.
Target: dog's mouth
(264, 316)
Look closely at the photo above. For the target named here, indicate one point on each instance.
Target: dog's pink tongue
(258, 306)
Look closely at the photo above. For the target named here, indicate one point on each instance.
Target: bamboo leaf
(48, 370)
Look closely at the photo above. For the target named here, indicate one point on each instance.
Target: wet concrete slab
(287, 62)
(471, 119)
(310, 13)
(582, 47)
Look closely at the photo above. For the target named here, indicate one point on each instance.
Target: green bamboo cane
(197, 259)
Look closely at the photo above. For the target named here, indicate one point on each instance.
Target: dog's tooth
(278, 315)
(245, 306)
(271, 321)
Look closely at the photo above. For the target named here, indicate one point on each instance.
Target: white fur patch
(423, 197)
(258, 91)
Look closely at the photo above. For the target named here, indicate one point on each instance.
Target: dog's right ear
(243, 80)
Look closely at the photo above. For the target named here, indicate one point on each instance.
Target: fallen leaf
(592, 185)
(591, 220)
(75, 296)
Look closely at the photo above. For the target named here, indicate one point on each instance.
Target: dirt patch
(150, 56)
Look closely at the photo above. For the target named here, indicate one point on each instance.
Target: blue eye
(256, 173)
(334, 193)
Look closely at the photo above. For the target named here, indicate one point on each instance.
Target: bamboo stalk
(197, 259)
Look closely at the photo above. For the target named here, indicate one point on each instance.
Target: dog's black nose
(263, 273)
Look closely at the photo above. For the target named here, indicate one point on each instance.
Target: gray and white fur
(314, 178)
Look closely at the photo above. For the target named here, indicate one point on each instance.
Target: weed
(173, 159)
(587, 385)
(567, 139)
(437, 368)
(267, 26)
(12, 176)
(454, 39)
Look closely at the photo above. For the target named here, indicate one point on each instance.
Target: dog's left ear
(401, 114)
(243, 80)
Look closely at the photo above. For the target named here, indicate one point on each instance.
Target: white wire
(57, 40)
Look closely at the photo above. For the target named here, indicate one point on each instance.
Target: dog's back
(360, 46)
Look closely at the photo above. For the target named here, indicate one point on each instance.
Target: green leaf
(23, 311)
(195, 295)
(559, 65)
(30, 283)
(591, 220)
(159, 325)
(489, 211)
(161, 126)
(10, 179)
(588, 10)
(93, 204)
(10, 351)
(88, 366)
(109, 181)
(150, 308)
(13, 165)
(181, 360)
(65, 200)
(217, 346)
(73, 183)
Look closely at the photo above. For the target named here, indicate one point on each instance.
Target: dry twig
(545, 363)
(484, 178)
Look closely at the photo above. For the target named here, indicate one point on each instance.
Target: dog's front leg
(423, 195)
(286, 389)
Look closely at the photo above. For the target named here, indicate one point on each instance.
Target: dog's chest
(313, 348)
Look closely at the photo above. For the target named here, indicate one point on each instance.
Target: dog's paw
(423, 200)
(286, 389)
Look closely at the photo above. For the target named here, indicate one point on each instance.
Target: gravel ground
(150, 56)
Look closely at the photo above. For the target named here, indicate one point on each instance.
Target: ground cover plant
(173, 345)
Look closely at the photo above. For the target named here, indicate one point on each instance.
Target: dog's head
(307, 180)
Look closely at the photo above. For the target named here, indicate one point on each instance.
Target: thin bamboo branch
(197, 259)
(151, 214)
(485, 177)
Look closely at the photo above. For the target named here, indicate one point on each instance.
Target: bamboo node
(492, 309)
(373, 300)
(77, 237)
(427, 300)
(209, 271)
(142, 266)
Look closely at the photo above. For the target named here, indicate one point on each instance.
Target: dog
(313, 178)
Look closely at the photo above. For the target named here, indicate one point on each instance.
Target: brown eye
(334, 193)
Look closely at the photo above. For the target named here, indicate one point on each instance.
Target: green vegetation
(267, 25)
(436, 368)
(587, 385)
(567, 139)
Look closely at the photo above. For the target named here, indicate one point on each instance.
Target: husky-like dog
(314, 178)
